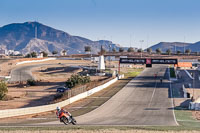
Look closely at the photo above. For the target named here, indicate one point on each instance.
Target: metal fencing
(83, 88)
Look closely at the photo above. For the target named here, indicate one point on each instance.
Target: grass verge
(186, 119)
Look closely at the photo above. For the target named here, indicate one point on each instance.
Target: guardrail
(184, 91)
(45, 108)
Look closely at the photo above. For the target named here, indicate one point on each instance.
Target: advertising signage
(132, 61)
(147, 61)
(164, 61)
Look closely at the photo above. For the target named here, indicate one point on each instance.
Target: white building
(101, 65)
(40, 55)
(12, 52)
(2, 52)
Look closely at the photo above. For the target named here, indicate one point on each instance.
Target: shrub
(33, 54)
(77, 80)
(54, 52)
(7, 98)
(28, 56)
(31, 82)
(3, 89)
(172, 73)
(45, 54)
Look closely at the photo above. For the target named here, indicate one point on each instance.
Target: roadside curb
(172, 98)
(188, 74)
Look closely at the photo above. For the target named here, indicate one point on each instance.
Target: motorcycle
(66, 118)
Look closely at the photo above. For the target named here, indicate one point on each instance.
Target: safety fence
(51, 107)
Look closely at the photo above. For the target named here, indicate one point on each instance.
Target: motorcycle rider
(161, 80)
(59, 111)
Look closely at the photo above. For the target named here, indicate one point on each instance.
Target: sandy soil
(49, 78)
(98, 131)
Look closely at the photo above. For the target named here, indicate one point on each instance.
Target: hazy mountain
(194, 47)
(22, 37)
(175, 46)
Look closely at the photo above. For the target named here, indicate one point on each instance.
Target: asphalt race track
(143, 101)
(22, 73)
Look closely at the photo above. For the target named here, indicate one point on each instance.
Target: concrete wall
(194, 106)
(45, 108)
(184, 91)
(32, 61)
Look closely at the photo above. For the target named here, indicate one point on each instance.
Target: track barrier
(45, 108)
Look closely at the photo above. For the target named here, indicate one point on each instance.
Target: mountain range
(34, 36)
(177, 46)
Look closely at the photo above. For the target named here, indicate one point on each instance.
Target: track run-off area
(143, 101)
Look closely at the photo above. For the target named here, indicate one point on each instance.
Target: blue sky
(125, 22)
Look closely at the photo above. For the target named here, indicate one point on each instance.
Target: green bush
(7, 98)
(3, 89)
(31, 82)
(172, 73)
(33, 54)
(28, 56)
(77, 80)
(45, 54)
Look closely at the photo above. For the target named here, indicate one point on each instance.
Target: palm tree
(114, 49)
(149, 50)
(121, 49)
(87, 49)
(45, 54)
(139, 50)
(64, 52)
(188, 51)
(54, 52)
(33, 54)
(168, 51)
(178, 52)
(103, 51)
(131, 49)
(158, 51)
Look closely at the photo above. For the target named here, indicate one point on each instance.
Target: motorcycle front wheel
(73, 121)
(65, 120)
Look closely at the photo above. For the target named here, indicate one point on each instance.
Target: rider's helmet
(58, 108)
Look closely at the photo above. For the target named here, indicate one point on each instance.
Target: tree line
(148, 50)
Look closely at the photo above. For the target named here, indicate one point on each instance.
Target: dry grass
(97, 131)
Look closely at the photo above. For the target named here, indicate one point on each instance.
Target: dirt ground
(48, 77)
(98, 131)
(77, 108)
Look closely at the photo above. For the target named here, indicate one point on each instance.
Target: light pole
(193, 84)
(110, 57)
(175, 49)
(184, 46)
(141, 41)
